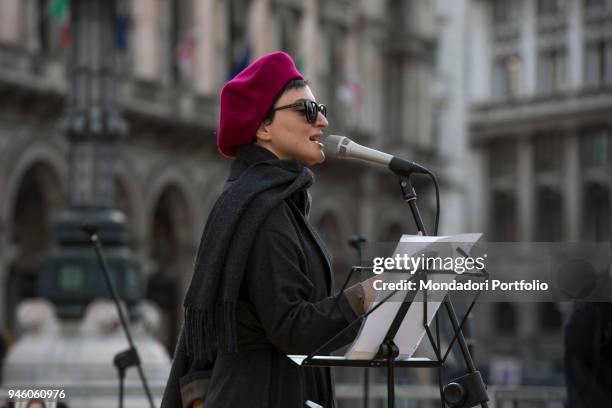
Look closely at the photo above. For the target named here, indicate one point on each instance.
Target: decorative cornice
(568, 109)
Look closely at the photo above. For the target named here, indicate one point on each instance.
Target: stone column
(11, 30)
(575, 39)
(525, 189)
(258, 27)
(204, 11)
(478, 191)
(479, 28)
(145, 44)
(309, 41)
(528, 47)
(571, 191)
(367, 211)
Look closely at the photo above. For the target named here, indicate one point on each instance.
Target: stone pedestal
(77, 356)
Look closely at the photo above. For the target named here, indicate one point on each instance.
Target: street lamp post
(70, 276)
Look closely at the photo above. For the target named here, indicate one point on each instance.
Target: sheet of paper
(411, 331)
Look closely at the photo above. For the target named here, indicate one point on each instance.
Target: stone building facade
(513, 96)
(388, 71)
(540, 122)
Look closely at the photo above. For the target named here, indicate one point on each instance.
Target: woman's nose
(321, 121)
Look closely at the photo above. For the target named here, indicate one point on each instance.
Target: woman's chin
(313, 160)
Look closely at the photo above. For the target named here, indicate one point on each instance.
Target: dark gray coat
(285, 307)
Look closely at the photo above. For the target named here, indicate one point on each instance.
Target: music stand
(463, 392)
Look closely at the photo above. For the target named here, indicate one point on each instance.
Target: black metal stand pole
(356, 243)
(410, 197)
(129, 357)
(121, 379)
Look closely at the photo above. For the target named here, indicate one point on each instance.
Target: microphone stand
(356, 243)
(127, 358)
(466, 390)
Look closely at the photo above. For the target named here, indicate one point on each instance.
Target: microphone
(344, 148)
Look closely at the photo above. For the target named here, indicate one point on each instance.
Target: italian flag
(59, 10)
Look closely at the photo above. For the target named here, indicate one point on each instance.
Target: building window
(505, 320)
(506, 11)
(548, 153)
(394, 99)
(596, 213)
(598, 4)
(598, 63)
(503, 217)
(595, 153)
(551, 70)
(550, 316)
(506, 76)
(502, 168)
(398, 11)
(551, 7)
(549, 212)
(595, 149)
(502, 159)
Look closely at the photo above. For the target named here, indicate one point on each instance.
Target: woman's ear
(263, 133)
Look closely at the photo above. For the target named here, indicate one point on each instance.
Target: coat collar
(246, 156)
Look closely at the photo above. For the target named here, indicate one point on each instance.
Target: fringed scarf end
(205, 330)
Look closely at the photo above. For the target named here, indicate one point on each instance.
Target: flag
(121, 29)
(349, 92)
(241, 63)
(65, 34)
(59, 10)
(300, 65)
(185, 53)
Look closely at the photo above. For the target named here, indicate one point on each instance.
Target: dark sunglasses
(310, 109)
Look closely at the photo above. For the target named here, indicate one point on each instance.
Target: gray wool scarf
(243, 206)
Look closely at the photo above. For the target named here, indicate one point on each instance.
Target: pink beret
(247, 98)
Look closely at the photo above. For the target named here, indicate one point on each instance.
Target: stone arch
(329, 226)
(170, 224)
(172, 242)
(211, 190)
(159, 181)
(394, 224)
(505, 318)
(391, 232)
(331, 205)
(28, 157)
(35, 197)
(129, 198)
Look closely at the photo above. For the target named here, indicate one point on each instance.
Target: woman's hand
(369, 291)
(198, 404)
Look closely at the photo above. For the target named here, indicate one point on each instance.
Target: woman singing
(262, 281)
